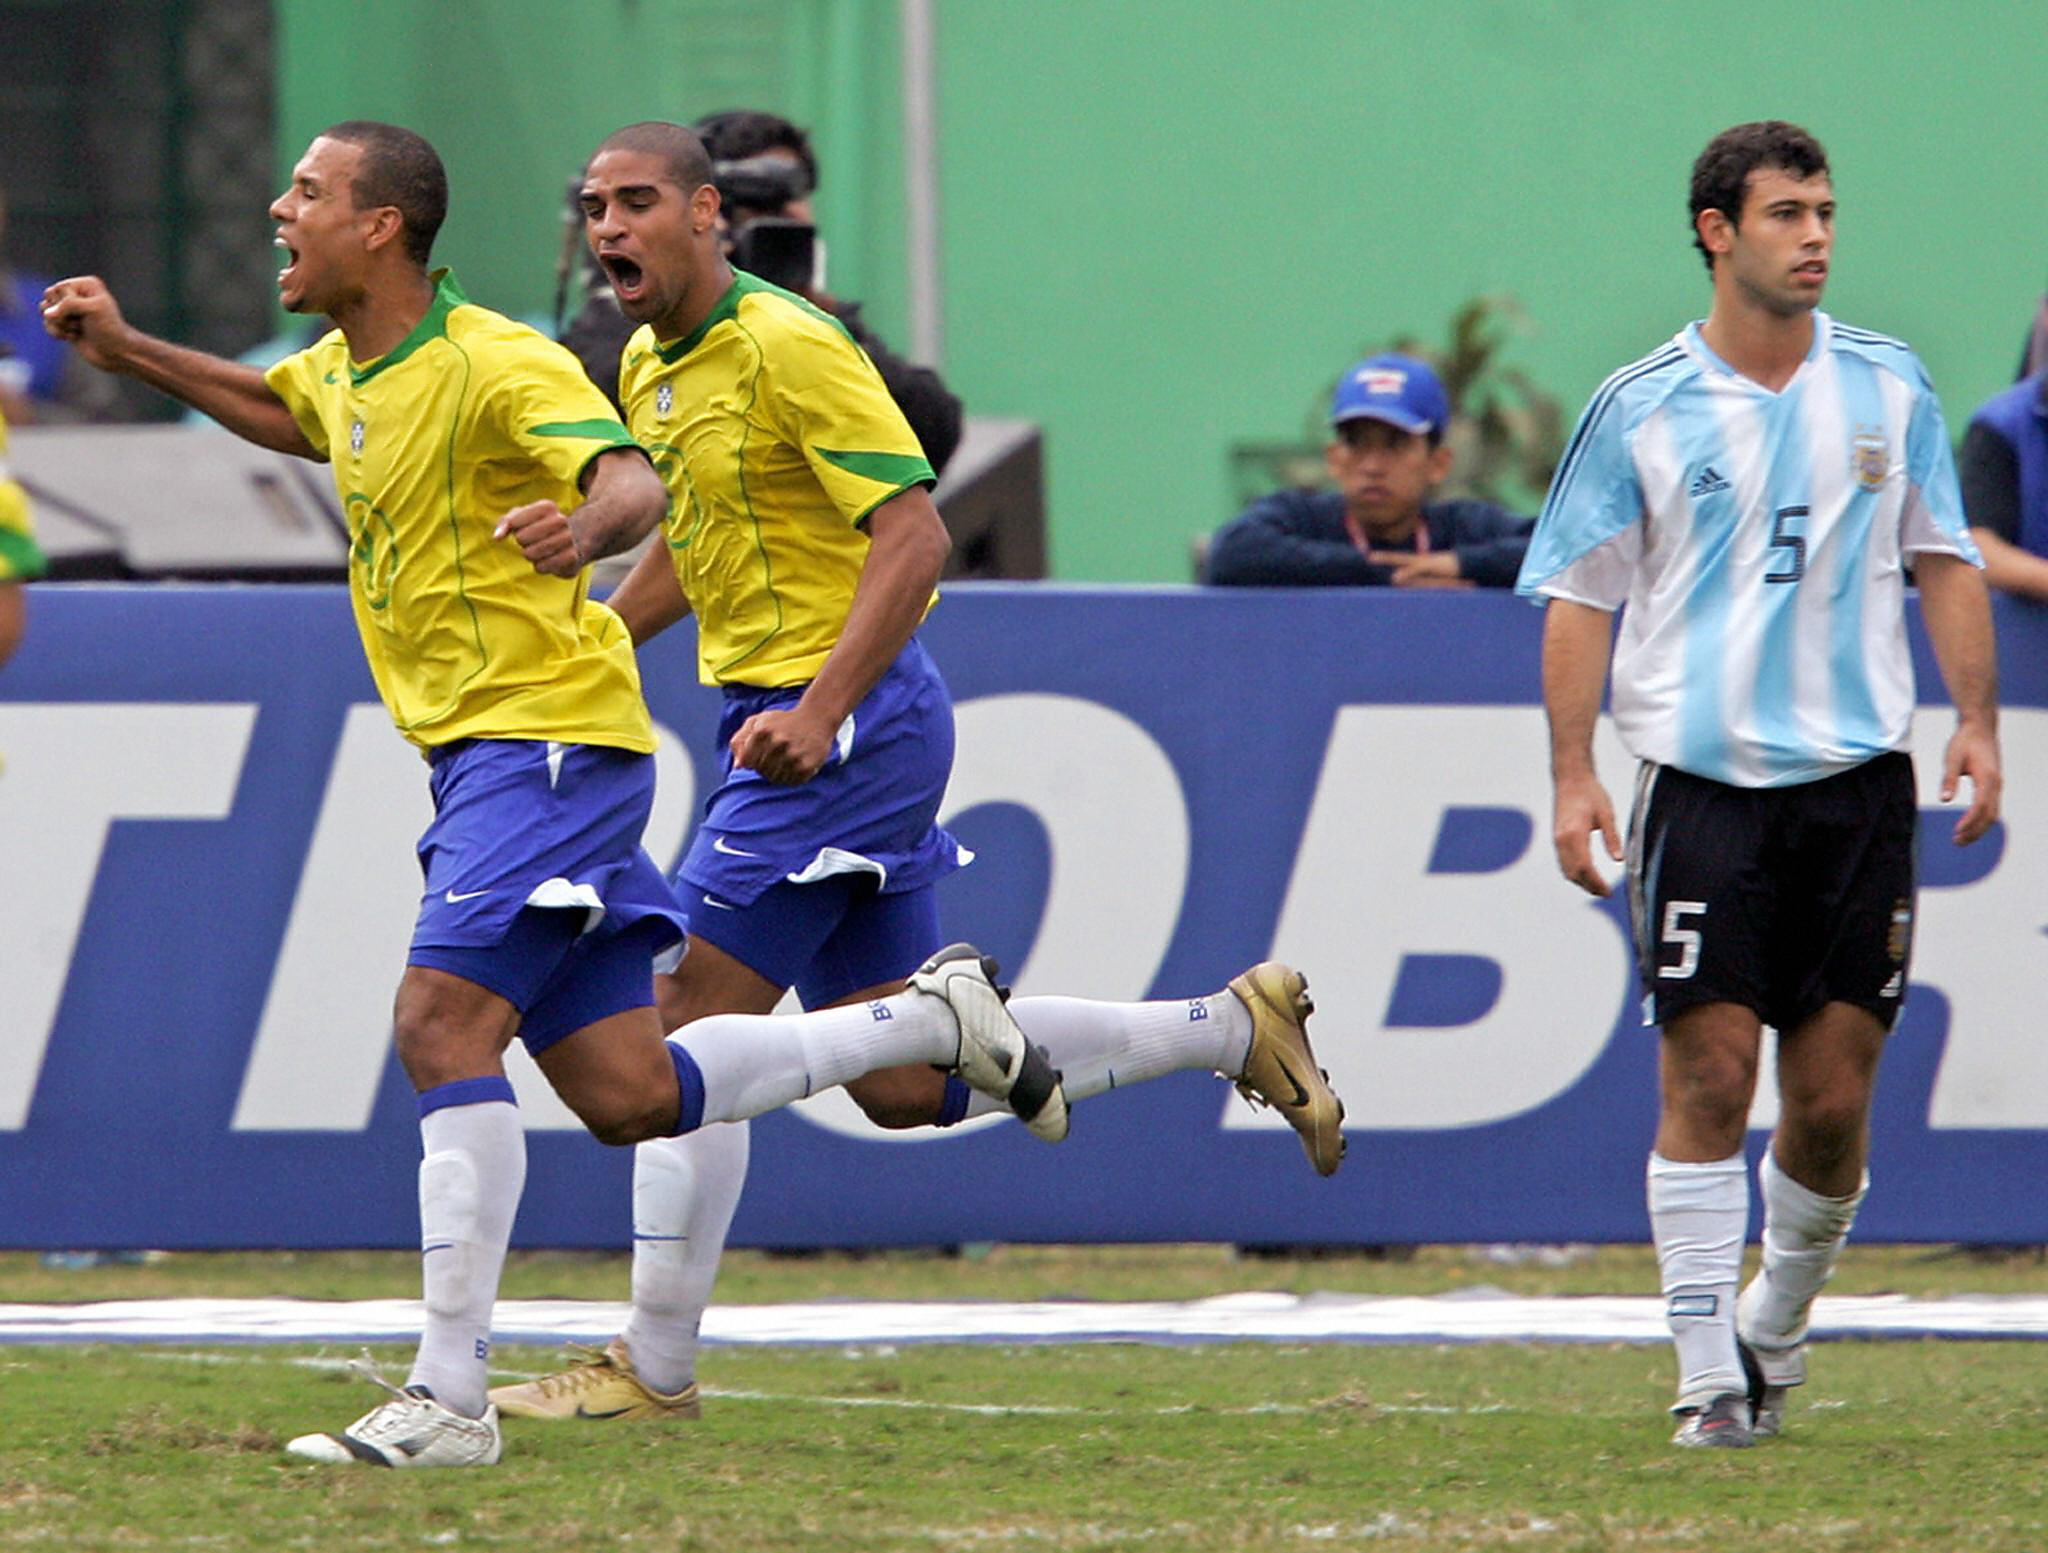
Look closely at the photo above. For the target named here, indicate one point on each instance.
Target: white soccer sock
(755, 1062)
(1804, 1233)
(1699, 1214)
(470, 1180)
(1099, 1046)
(684, 1193)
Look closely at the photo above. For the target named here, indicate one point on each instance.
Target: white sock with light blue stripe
(1102, 1046)
(470, 1180)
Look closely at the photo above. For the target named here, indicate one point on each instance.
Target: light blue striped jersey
(1758, 541)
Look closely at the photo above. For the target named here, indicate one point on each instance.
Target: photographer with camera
(765, 172)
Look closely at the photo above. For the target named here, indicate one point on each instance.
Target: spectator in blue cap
(1377, 526)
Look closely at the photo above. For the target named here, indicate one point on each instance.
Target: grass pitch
(1900, 1445)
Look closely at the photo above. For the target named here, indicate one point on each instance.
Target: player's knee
(1829, 1129)
(431, 1049)
(1716, 1091)
(626, 1120)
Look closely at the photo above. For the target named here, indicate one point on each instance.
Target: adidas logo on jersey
(1707, 484)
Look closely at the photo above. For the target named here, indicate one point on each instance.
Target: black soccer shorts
(1781, 899)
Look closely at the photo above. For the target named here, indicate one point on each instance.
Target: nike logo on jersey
(718, 844)
(1707, 484)
(467, 895)
(330, 378)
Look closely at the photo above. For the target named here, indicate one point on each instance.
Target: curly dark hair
(1720, 176)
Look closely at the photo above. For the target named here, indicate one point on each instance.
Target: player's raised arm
(83, 311)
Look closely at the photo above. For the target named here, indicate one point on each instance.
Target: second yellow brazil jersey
(469, 417)
(776, 437)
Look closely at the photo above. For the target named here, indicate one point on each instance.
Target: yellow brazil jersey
(20, 559)
(776, 438)
(470, 416)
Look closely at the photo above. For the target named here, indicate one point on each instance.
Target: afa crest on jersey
(1870, 458)
(355, 439)
(664, 398)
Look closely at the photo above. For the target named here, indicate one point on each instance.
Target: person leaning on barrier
(2004, 470)
(765, 172)
(1386, 454)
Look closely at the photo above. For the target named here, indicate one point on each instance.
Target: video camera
(759, 239)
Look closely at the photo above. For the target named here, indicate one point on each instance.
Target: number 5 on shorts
(1687, 939)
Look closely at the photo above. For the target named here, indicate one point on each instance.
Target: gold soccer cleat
(601, 1384)
(1280, 1069)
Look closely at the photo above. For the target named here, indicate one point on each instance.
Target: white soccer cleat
(995, 1057)
(411, 1430)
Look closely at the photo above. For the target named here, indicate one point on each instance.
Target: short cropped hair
(740, 133)
(1720, 177)
(689, 164)
(398, 168)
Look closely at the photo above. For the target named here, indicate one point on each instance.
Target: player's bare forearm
(624, 500)
(84, 312)
(1575, 654)
(907, 551)
(1956, 607)
(230, 392)
(650, 600)
(1575, 651)
(908, 546)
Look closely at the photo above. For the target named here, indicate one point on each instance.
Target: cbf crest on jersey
(1870, 458)
(664, 398)
(355, 439)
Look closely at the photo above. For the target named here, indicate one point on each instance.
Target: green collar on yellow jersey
(447, 297)
(728, 306)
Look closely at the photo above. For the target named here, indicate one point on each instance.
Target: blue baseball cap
(1396, 389)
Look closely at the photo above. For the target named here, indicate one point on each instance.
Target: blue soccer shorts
(537, 888)
(826, 886)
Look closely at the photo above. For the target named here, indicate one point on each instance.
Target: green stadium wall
(1169, 223)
